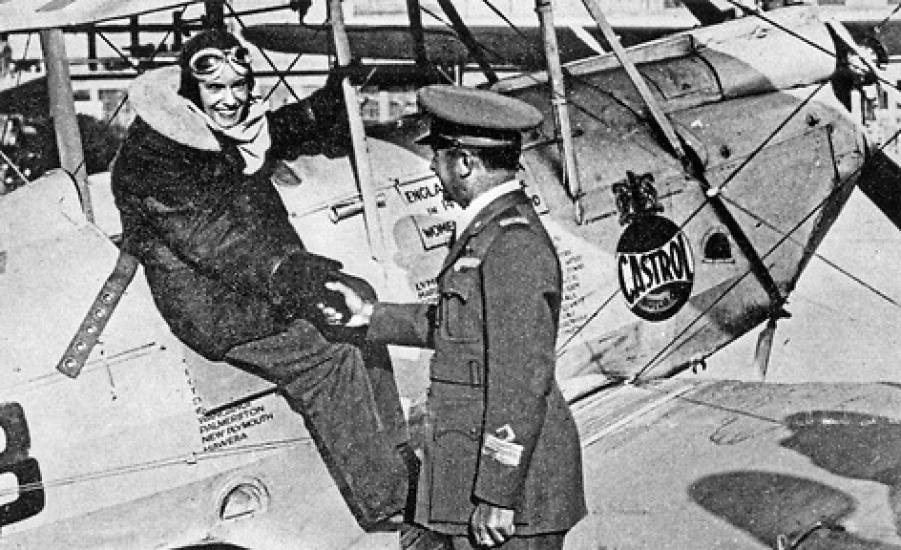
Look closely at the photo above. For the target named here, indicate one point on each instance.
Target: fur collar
(154, 97)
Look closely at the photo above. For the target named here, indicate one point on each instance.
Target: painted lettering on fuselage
(232, 426)
(415, 194)
(645, 273)
(656, 283)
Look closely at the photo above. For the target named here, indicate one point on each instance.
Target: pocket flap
(461, 285)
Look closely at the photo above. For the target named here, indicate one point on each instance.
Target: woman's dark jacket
(223, 261)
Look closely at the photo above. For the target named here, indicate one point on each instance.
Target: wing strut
(360, 158)
(694, 167)
(419, 51)
(62, 110)
(558, 100)
(215, 15)
(637, 80)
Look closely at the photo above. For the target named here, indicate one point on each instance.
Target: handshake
(313, 287)
(352, 311)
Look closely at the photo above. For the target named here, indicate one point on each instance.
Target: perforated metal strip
(98, 315)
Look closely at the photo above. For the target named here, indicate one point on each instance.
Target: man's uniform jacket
(501, 431)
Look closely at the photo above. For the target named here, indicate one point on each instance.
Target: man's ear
(464, 164)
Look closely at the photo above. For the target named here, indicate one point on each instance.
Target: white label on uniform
(503, 450)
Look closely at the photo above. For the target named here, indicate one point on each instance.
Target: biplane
(688, 182)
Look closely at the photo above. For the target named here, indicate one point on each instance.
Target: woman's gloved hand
(298, 286)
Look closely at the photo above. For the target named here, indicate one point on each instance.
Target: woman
(226, 268)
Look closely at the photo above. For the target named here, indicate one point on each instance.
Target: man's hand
(360, 310)
(491, 525)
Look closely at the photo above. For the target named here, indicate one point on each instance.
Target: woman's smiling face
(226, 97)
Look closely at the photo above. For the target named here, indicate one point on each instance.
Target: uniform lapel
(482, 219)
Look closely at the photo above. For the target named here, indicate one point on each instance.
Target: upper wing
(522, 47)
(25, 15)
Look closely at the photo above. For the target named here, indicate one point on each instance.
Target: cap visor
(434, 140)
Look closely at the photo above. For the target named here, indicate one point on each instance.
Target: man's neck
(489, 181)
(483, 199)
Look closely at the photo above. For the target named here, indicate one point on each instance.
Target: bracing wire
(281, 77)
(728, 179)
(732, 175)
(838, 188)
(12, 165)
(507, 20)
(435, 16)
(187, 459)
(819, 256)
(887, 18)
(757, 13)
(159, 47)
(288, 68)
(529, 44)
(118, 51)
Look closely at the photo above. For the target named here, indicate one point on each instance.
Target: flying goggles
(207, 63)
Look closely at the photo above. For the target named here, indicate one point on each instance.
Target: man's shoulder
(517, 221)
(517, 235)
(511, 219)
(490, 229)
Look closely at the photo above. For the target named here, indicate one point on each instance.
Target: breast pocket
(461, 307)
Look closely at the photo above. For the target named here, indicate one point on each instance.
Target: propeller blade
(764, 348)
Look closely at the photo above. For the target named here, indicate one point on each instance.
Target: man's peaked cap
(475, 118)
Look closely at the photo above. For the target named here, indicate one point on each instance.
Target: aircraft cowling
(770, 196)
(728, 91)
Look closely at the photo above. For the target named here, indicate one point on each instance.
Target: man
(227, 270)
(502, 465)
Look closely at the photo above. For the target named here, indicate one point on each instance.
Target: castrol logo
(655, 267)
